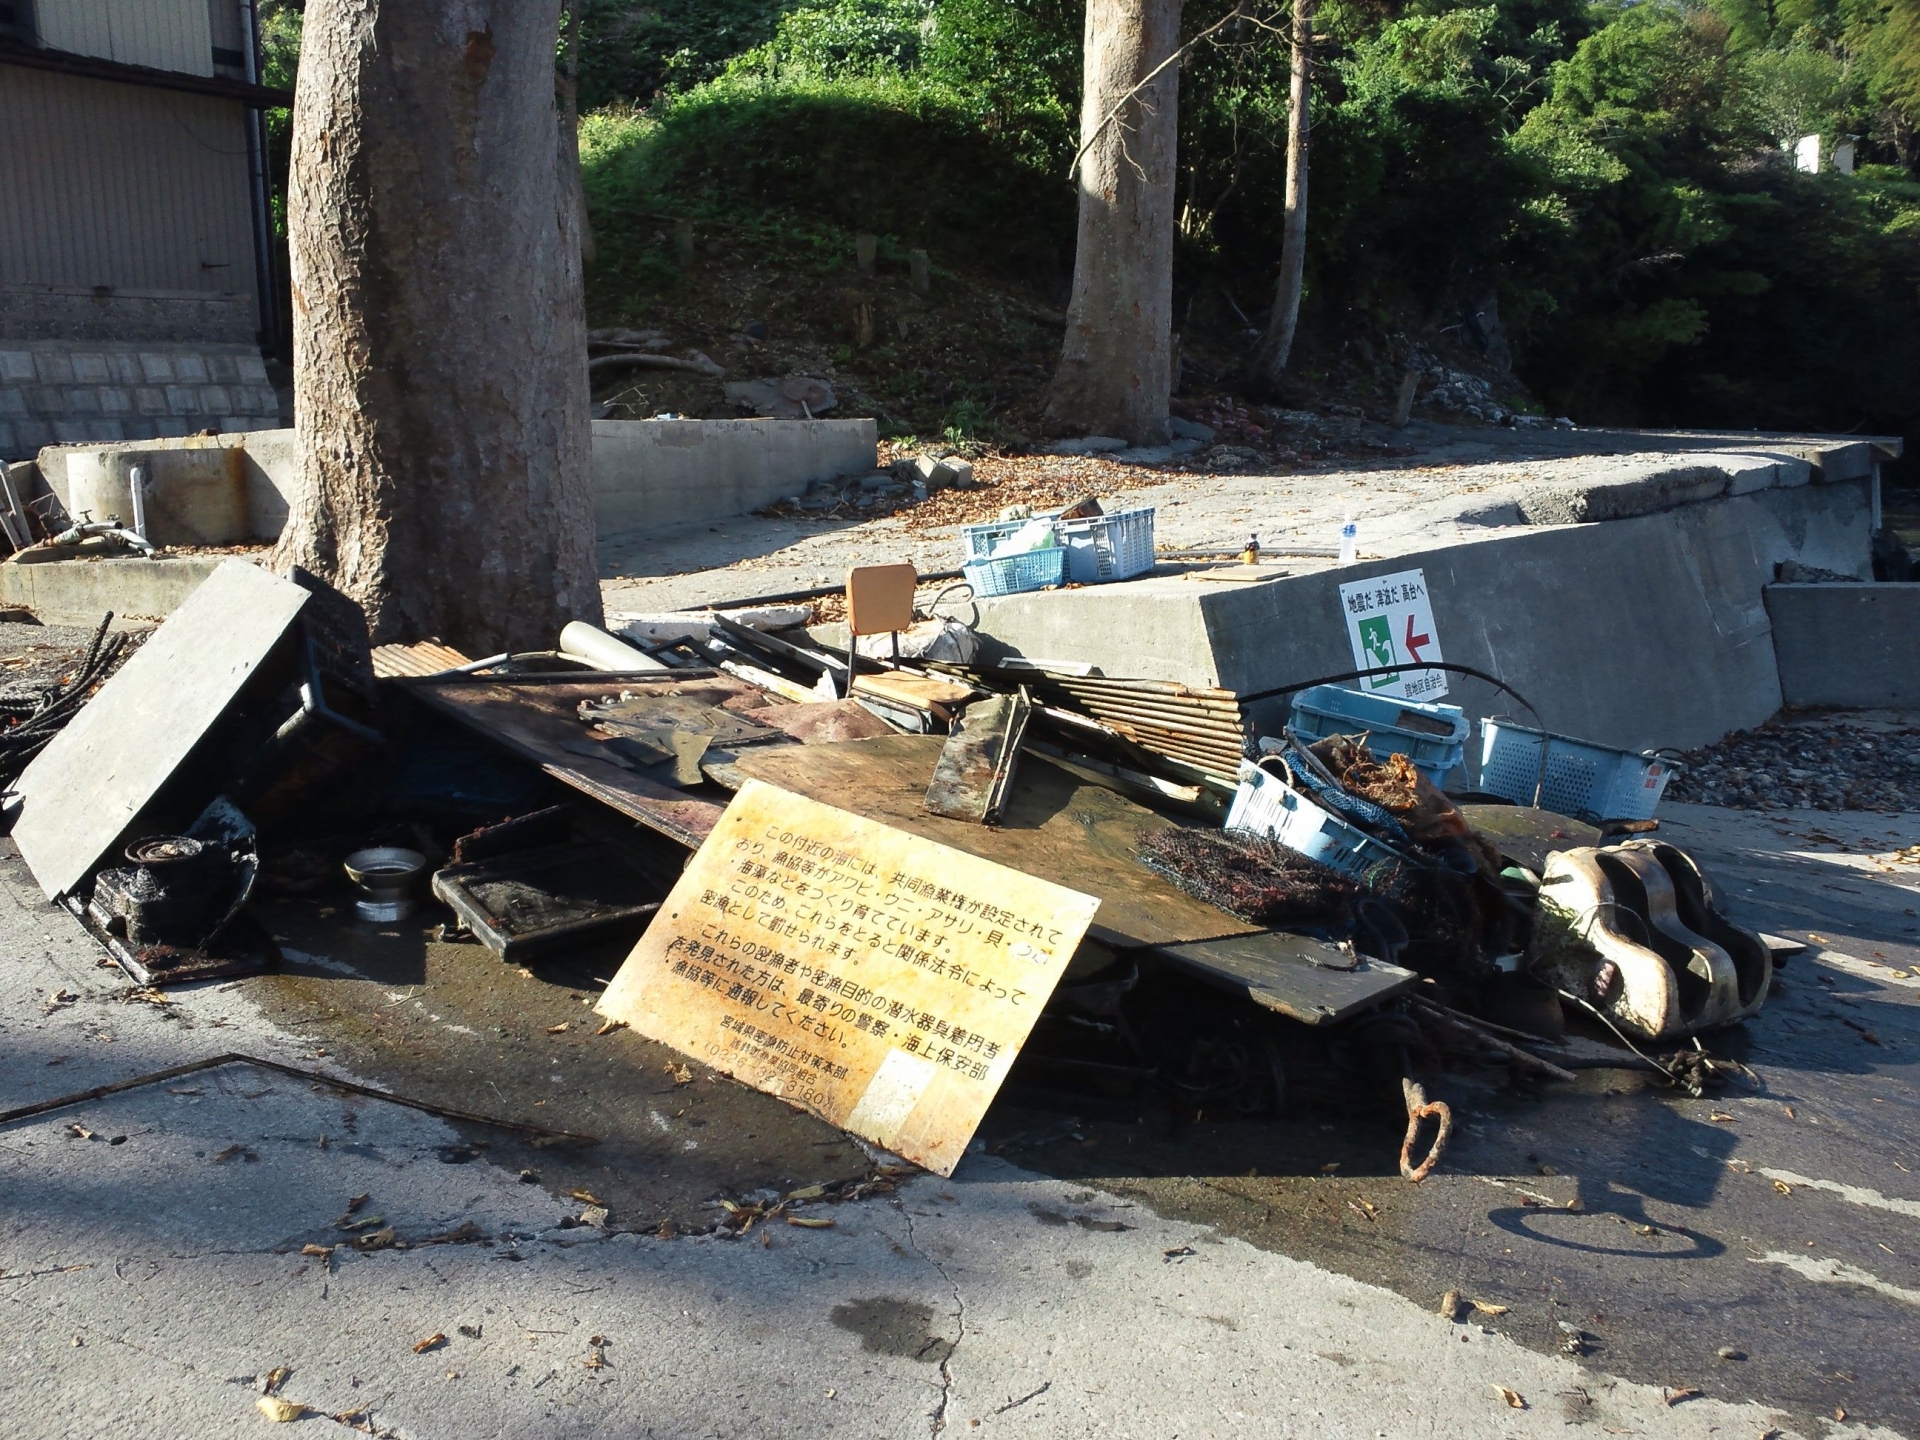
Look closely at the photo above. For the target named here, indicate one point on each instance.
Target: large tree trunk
(1116, 364)
(440, 377)
(1276, 346)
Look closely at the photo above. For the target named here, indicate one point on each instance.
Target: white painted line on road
(1870, 969)
(1858, 1194)
(1837, 1272)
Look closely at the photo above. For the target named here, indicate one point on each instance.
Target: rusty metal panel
(160, 34)
(122, 186)
(883, 981)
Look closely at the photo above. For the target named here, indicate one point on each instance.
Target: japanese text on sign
(1390, 624)
(884, 981)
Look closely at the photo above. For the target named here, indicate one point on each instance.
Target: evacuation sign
(1390, 622)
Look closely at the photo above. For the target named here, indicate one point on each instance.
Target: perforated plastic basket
(1101, 547)
(1266, 805)
(1587, 781)
(1433, 737)
(1013, 574)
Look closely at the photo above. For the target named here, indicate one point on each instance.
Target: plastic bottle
(1349, 540)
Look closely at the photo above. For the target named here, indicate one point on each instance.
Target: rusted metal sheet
(1302, 978)
(392, 661)
(542, 724)
(881, 980)
(976, 764)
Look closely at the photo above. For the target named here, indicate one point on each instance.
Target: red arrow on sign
(1413, 641)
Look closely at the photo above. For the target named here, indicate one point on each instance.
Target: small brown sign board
(882, 980)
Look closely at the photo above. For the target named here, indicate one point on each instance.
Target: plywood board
(85, 788)
(881, 980)
(1054, 825)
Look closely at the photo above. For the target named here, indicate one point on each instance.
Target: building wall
(161, 34)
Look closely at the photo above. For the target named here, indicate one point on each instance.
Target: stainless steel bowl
(385, 876)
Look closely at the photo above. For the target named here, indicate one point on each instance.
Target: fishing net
(1254, 879)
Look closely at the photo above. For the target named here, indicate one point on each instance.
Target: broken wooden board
(920, 692)
(1302, 978)
(1055, 825)
(541, 723)
(977, 763)
(1528, 835)
(883, 981)
(86, 787)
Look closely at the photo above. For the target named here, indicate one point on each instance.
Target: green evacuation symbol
(1376, 640)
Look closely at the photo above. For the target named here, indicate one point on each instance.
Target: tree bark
(1115, 369)
(1276, 346)
(570, 129)
(440, 378)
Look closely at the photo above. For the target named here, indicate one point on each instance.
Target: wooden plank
(1055, 825)
(542, 725)
(1304, 979)
(923, 692)
(885, 982)
(84, 789)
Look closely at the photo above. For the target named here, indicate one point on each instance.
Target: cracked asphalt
(164, 1251)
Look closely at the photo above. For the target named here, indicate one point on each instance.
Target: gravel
(1824, 763)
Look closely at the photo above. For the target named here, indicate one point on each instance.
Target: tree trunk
(440, 377)
(570, 130)
(1276, 346)
(1116, 364)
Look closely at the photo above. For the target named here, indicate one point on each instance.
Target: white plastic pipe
(137, 487)
(602, 651)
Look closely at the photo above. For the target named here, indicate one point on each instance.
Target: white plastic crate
(1266, 805)
(1584, 780)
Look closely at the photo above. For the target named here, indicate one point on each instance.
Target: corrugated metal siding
(166, 34)
(120, 185)
(225, 27)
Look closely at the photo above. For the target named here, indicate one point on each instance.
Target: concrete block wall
(648, 474)
(55, 392)
(1847, 645)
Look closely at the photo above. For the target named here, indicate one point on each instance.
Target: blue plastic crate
(1116, 546)
(1432, 736)
(1266, 805)
(1584, 780)
(1012, 574)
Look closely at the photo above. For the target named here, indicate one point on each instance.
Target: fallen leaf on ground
(1721, 1116)
(1512, 1397)
(280, 1411)
(1674, 1397)
(586, 1197)
(559, 1029)
(1783, 1187)
(1364, 1209)
(810, 1222)
(432, 1342)
(276, 1377)
(472, 1332)
(354, 1205)
(682, 1074)
(807, 1192)
(610, 1026)
(1450, 1305)
(80, 1132)
(229, 1153)
(321, 1251)
(371, 1222)
(1179, 1252)
(377, 1240)
(1485, 1308)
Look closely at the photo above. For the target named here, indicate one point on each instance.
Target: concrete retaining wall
(648, 474)
(79, 592)
(1847, 645)
(1649, 631)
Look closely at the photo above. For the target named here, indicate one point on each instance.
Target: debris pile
(857, 867)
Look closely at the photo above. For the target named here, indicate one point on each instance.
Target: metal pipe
(603, 651)
(259, 188)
